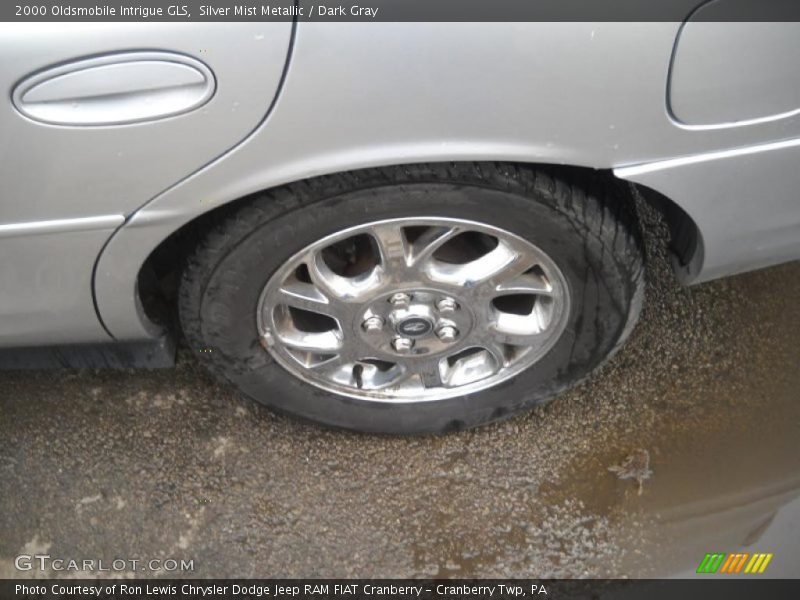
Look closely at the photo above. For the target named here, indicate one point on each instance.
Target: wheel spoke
(370, 377)
(361, 374)
(530, 282)
(429, 373)
(308, 297)
(517, 338)
(498, 265)
(338, 369)
(497, 351)
(339, 290)
(430, 241)
(472, 365)
(324, 342)
(330, 364)
(510, 264)
(322, 276)
(392, 247)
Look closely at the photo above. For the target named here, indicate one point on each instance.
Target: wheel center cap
(413, 324)
(414, 327)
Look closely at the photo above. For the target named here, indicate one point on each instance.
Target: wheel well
(685, 240)
(159, 276)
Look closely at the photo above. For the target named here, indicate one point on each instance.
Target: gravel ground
(160, 464)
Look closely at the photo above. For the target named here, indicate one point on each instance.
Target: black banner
(399, 10)
(396, 589)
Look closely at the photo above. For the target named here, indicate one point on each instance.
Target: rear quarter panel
(50, 172)
(369, 94)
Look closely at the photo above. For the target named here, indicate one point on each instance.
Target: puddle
(721, 424)
(725, 466)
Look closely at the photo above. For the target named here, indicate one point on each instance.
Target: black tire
(587, 225)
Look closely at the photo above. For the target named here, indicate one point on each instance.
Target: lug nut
(446, 305)
(372, 324)
(447, 333)
(400, 299)
(402, 345)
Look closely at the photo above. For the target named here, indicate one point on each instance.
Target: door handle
(116, 89)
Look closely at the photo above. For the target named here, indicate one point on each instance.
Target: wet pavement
(168, 464)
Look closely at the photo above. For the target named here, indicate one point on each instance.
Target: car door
(98, 119)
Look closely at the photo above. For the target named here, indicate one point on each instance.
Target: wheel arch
(157, 276)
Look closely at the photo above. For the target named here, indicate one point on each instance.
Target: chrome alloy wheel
(413, 309)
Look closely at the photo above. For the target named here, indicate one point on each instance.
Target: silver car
(387, 227)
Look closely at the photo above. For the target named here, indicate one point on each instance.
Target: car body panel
(46, 294)
(360, 95)
(564, 93)
(720, 72)
(746, 203)
(74, 173)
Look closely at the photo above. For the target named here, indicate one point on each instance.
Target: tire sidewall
(600, 290)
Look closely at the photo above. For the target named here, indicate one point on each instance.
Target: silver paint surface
(369, 94)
